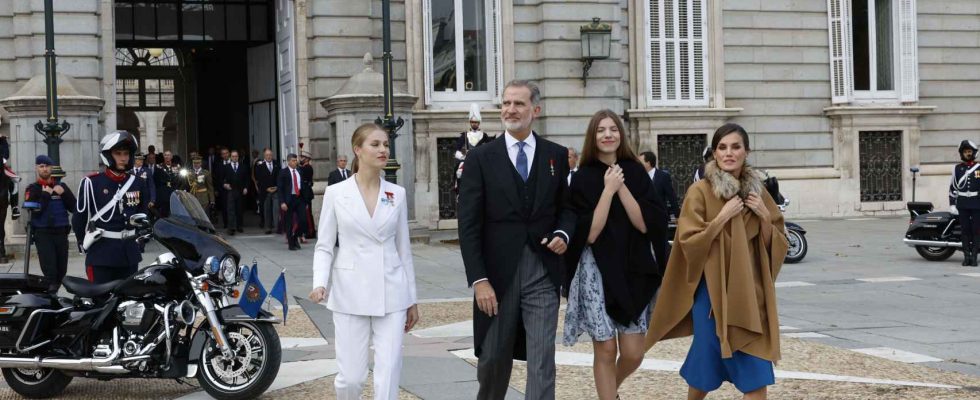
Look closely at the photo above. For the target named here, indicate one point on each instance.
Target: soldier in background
(964, 200)
(200, 184)
(8, 195)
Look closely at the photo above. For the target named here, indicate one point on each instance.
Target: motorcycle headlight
(229, 271)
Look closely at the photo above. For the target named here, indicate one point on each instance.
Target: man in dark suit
(341, 173)
(291, 200)
(219, 170)
(512, 246)
(662, 183)
(266, 176)
(235, 179)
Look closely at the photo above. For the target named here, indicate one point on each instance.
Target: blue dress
(704, 369)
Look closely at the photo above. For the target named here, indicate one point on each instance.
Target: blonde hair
(358, 138)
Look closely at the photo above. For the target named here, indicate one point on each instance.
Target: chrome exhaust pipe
(104, 365)
(931, 243)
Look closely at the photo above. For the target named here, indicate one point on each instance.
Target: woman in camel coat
(719, 283)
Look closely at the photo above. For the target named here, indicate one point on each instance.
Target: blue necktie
(522, 161)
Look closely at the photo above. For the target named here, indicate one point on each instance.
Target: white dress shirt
(653, 171)
(512, 149)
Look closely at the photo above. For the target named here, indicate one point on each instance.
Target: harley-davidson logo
(252, 293)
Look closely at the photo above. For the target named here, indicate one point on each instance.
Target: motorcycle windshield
(186, 209)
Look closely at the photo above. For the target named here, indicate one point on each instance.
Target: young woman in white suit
(368, 281)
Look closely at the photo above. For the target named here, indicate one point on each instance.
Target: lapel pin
(551, 162)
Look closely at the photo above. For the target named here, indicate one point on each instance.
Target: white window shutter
(839, 32)
(909, 51)
(497, 71)
(677, 52)
(427, 50)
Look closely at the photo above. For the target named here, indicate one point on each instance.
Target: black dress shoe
(231, 232)
(268, 232)
(240, 230)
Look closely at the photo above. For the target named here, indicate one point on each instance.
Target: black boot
(973, 256)
(967, 256)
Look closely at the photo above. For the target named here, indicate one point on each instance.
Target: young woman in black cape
(615, 261)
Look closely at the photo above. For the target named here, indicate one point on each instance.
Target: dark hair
(290, 156)
(727, 129)
(649, 157)
(590, 150)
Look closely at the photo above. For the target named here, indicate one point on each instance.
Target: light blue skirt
(586, 309)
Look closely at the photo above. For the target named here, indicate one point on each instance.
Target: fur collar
(726, 186)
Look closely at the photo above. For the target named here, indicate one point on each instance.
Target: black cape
(630, 274)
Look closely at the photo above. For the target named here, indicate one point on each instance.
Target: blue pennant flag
(279, 293)
(253, 294)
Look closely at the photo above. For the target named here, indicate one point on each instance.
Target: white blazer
(371, 273)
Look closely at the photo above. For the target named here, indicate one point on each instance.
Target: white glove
(953, 210)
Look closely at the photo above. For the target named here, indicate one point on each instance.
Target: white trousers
(352, 334)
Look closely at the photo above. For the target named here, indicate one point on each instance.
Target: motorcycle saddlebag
(15, 311)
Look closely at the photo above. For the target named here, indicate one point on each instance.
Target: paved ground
(859, 288)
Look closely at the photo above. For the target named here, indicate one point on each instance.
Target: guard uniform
(116, 255)
(468, 141)
(50, 225)
(963, 198)
(200, 184)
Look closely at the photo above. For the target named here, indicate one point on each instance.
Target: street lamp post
(52, 130)
(389, 122)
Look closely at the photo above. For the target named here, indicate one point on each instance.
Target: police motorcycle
(795, 234)
(935, 235)
(171, 320)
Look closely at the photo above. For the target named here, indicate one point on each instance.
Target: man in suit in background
(662, 183)
(572, 164)
(219, 169)
(291, 200)
(235, 179)
(512, 246)
(266, 179)
(341, 173)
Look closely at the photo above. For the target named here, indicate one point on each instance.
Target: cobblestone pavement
(863, 316)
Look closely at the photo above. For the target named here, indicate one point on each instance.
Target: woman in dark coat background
(613, 270)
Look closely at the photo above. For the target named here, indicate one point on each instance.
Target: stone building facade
(840, 97)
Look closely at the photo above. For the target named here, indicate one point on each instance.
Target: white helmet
(475, 113)
(114, 140)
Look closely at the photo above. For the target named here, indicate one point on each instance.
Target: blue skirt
(705, 370)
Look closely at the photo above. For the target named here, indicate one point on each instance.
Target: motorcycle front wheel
(797, 247)
(251, 370)
(935, 253)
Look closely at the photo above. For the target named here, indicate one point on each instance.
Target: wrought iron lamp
(596, 41)
(389, 122)
(52, 130)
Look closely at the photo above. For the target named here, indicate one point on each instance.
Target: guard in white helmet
(469, 140)
(963, 199)
(105, 202)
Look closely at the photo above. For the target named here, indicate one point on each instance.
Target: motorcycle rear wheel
(935, 253)
(797, 247)
(39, 383)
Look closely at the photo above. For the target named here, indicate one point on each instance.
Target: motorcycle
(795, 234)
(934, 234)
(145, 326)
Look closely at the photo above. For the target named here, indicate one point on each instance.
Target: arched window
(145, 93)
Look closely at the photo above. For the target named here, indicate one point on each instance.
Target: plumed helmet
(115, 140)
(475, 113)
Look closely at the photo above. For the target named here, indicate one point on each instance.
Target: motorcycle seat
(17, 281)
(83, 288)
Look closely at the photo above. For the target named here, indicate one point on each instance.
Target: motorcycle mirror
(138, 220)
(914, 170)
